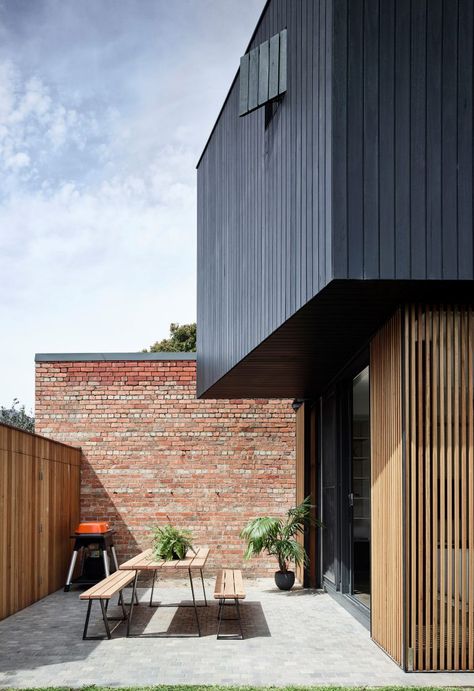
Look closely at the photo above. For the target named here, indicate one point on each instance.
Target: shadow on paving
(180, 621)
(49, 632)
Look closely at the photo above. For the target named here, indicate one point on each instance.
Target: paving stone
(301, 638)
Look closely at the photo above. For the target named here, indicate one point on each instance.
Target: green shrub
(171, 543)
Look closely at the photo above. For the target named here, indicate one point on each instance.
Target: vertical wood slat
(39, 506)
(387, 490)
(439, 448)
(470, 460)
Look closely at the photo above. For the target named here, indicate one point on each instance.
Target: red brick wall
(151, 450)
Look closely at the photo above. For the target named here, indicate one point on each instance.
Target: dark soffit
(305, 354)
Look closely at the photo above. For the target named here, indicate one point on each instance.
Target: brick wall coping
(104, 357)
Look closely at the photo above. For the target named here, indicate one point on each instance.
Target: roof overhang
(303, 356)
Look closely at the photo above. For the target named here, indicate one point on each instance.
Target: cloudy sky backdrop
(105, 106)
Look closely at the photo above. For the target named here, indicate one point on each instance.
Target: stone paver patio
(300, 638)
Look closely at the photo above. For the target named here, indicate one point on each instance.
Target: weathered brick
(151, 450)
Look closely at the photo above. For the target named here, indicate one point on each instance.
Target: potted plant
(277, 537)
(171, 543)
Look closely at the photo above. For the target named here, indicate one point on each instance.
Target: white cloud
(17, 161)
(103, 113)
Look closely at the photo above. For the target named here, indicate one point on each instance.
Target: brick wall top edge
(107, 357)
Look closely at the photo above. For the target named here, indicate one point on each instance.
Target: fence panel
(39, 507)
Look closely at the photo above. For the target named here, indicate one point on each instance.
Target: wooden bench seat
(229, 586)
(104, 591)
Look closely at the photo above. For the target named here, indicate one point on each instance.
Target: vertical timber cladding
(439, 389)
(39, 507)
(387, 488)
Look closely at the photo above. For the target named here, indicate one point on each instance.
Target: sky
(105, 107)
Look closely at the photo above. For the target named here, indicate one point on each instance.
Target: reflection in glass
(361, 487)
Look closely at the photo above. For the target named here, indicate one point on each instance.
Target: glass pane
(361, 487)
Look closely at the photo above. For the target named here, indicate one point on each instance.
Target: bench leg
(239, 617)
(121, 596)
(221, 618)
(86, 625)
(104, 606)
(106, 621)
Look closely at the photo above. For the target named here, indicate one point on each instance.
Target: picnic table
(146, 561)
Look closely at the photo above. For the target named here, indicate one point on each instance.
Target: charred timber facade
(362, 174)
(336, 267)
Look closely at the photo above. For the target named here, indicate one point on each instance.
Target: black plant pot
(285, 579)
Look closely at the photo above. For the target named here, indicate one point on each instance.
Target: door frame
(342, 387)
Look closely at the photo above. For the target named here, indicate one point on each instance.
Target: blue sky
(105, 106)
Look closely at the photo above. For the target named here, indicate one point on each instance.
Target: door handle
(350, 496)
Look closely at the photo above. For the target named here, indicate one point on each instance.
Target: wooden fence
(39, 507)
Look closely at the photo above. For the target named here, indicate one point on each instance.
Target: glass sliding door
(360, 489)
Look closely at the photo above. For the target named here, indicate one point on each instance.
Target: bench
(229, 586)
(104, 591)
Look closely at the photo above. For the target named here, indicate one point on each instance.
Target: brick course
(151, 450)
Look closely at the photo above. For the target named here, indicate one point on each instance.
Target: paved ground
(302, 637)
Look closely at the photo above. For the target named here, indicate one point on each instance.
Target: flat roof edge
(111, 357)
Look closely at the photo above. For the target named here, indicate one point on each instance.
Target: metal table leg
(194, 602)
(155, 573)
(203, 588)
(114, 557)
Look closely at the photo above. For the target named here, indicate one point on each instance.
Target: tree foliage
(17, 416)
(182, 340)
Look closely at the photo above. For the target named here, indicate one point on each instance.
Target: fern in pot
(170, 543)
(277, 537)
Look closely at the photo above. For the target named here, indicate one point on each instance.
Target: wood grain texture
(387, 489)
(39, 508)
(438, 404)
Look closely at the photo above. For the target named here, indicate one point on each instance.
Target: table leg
(153, 588)
(114, 556)
(194, 602)
(203, 588)
(132, 603)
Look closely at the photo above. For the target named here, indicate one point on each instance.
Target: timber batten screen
(439, 389)
(387, 489)
(423, 487)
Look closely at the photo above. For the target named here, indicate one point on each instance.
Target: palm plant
(277, 536)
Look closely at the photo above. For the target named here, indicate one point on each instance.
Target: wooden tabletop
(146, 561)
